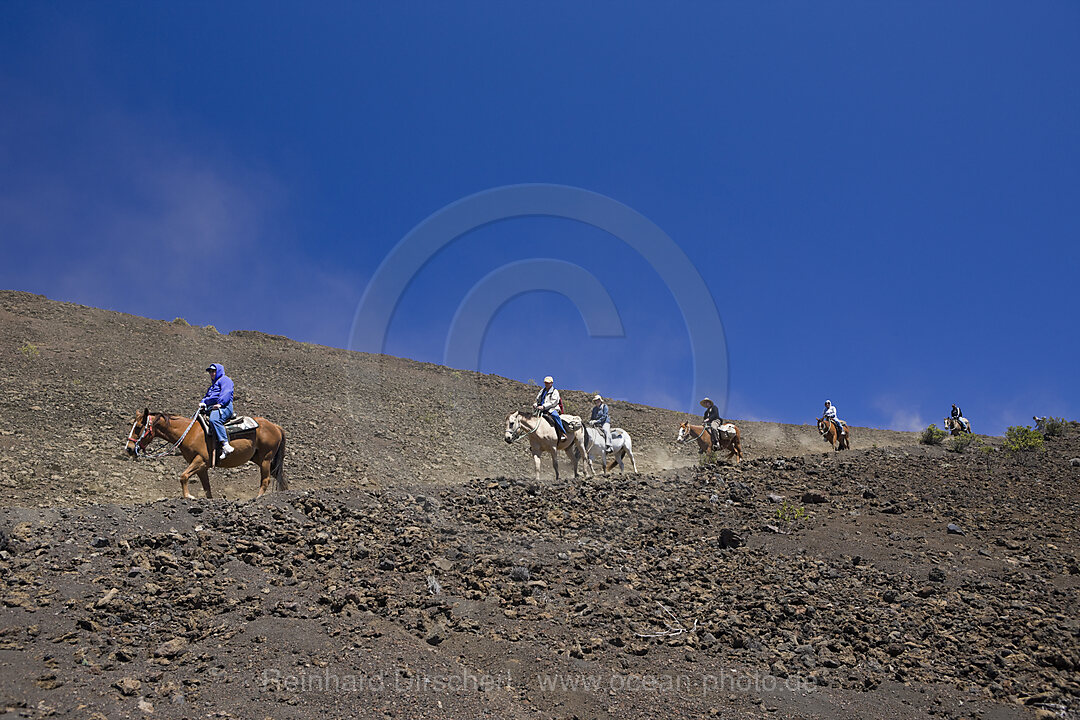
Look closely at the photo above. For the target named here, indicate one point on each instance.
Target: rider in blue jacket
(219, 400)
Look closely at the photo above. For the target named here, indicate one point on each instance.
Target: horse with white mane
(621, 446)
(543, 438)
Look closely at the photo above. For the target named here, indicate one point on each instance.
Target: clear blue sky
(883, 198)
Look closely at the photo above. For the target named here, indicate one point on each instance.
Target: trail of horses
(402, 580)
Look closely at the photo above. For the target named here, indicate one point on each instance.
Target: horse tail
(277, 465)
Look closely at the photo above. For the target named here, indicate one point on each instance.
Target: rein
(699, 435)
(522, 421)
(148, 429)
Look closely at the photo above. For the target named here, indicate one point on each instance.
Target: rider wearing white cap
(547, 401)
(601, 418)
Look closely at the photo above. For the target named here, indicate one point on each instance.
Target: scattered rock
(127, 686)
(171, 648)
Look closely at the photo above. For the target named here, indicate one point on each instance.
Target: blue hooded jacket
(221, 391)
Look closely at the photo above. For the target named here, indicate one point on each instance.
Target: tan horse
(265, 447)
(542, 439)
(830, 433)
(957, 427)
(730, 439)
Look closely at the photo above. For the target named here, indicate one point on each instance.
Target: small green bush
(181, 321)
(1021, 438)
(30, 350)
(959, 443)
(1050, 427)
(932, 435)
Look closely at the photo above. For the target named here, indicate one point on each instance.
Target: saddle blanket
(571, 422)
(727, 430)
(237, 425)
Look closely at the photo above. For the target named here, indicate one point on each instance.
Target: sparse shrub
(211, 328)
(181, 321)
(932, 435)
(987, 451)
(790, 513)
(30, 350)
(1050, 427)
(959, 443)
(1022, 439)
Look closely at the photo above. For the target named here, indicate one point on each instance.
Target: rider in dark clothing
(712, 420)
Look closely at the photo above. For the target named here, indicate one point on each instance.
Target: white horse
(542, 439)
(621, 446)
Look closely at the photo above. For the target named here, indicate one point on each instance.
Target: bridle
(688, 433)
(149, 432)
(521, 423)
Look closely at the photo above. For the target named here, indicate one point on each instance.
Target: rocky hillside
(417, 570)
(73, 378)
(885, 584)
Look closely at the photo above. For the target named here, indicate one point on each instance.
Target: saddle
(234, 427)
(570, 423)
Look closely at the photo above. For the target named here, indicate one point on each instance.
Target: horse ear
(145, 412)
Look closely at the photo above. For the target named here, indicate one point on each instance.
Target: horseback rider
(219, 402)
(711, 420)
(549, 403)
(959, 419)
(830, 414)
(601, 418)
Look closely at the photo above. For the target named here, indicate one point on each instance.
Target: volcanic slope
(827, 586)
(73, 378)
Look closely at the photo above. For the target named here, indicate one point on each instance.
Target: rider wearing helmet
(830, 414)
(547, 401)
(219, 401)
(711, 420)
(601, 419)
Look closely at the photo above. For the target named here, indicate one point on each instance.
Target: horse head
(141, 434)
(822, 426)
(513, 422)
(684, 431)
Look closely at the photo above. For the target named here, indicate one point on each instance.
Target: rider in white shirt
(830, 414)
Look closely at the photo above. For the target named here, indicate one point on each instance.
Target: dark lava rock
(520, 574)
(814, 498)
(937, 575)
(729, 539)
(954, 529)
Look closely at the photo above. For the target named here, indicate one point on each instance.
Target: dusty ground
(797, 585)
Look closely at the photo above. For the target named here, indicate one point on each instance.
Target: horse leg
(536, 461)
(580, 444)
(264, 476)
(197, 464)
(555, 461)
(204, 478)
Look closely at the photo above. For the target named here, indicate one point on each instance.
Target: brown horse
(830, 433)
(957, 426)
(730, 439)
(265, 447)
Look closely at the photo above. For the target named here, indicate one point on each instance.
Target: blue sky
(884, 199)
